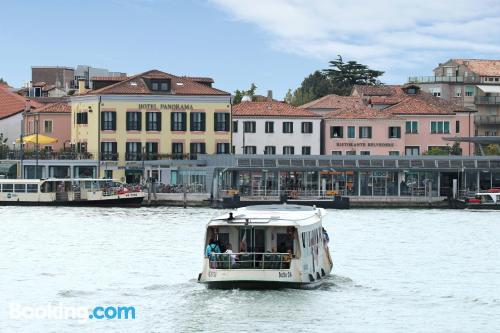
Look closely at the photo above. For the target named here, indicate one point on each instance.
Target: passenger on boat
(232, 255)
(211, 252)
(286, 259)
(326, 238)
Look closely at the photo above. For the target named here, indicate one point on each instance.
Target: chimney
(270, 94)
(81, 86)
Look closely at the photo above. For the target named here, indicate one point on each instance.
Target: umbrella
(42, 139)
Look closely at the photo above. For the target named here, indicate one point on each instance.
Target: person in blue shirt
(212, 248)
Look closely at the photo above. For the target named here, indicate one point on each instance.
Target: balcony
(487, 100)
(443, 79)
(487, 120)
(45, 155)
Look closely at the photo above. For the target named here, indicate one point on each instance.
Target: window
(288, 150)
(469, 91)
(20, 188)
(47, 126)
(336, 152)
(394, 132)
(153, 121)
(151, 150)
(133, 121)
(269, 150)
(436, 91)
(365, 132)
(82, 118)
(197, 121)
(250, 150)
(197, 148)
(8, 188)
(178, 121)
(222, 148)
(133, 151)
(108, 174)
(412, 151)
(457, 126)
(159, 85)
(108, 121)
(154, 86)
(351, 132)
(235, 126)
(458, 91)
(249, 126)
(177, 150)
(306, 150)
(412, 127)
(350, 152)
(164, 86)
(440, 127)
(32, 188)
(336, 132)
(221, 123)
(307, 127)
(287, 127)
(364, 152)
(269, 126)
(108, 151)
(394, 153)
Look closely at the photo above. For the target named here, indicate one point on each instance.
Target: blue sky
(272, 43)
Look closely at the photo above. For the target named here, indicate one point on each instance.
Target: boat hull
(254, 285)
(117, 202)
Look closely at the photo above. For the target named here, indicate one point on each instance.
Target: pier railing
(250, 260)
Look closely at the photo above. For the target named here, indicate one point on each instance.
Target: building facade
(472, 83)
(275, 128)
(58, 76)
(53, 120)
(150, 116)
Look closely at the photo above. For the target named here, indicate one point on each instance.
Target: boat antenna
(231, 217)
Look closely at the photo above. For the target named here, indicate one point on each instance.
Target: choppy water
(395, 271)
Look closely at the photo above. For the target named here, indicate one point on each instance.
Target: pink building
(391, 120)
(54, 120)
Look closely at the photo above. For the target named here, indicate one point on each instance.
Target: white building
(275, 128)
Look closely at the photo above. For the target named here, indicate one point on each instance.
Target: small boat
(68, 192)
(278, 246)
(489, 199)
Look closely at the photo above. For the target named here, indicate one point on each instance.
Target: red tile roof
(12, 103)
(333, 101)
(360, 112)
(382, 90)
(61, 107)
(384, 100)
(481, 67)
(199, 79)
(416, 105)
(136, 85)
(270, 109)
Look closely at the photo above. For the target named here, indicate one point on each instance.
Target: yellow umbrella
(42, 139)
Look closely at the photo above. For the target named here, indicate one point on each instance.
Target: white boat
(489, 199)
(275, 246)
(68, 192)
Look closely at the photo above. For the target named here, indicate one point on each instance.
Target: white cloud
(390, 34)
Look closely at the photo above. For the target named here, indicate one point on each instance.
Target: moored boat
(489, 199)
(277, 246)
(68, 192)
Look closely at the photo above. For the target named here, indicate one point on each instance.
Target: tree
(314, 86)
(344, 75)
(492, 150)
(2, 81)
(437, 151)
(289, 96)
(455, 149)
(238, 94)
(4, 149)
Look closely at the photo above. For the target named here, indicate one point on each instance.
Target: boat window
(32, 188)
(303, 240)
(7, 187)
(252, 240)
(285, 242)
(223, 238)
(20, 188)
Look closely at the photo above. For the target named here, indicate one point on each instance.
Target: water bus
(267, 246)
(489, 199)
(68, 192)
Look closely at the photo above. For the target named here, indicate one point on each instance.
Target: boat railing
(250, 260)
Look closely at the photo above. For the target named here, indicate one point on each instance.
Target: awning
(490, 89)
(42, 139)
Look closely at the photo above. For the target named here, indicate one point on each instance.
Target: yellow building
(150, 116)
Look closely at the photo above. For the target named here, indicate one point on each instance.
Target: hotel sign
(364, 144)
(174, 107)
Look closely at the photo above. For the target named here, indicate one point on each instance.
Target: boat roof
(271, 215)
(37, 181)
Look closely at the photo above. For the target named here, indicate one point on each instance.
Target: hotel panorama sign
(365, 144)
(174, 107)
